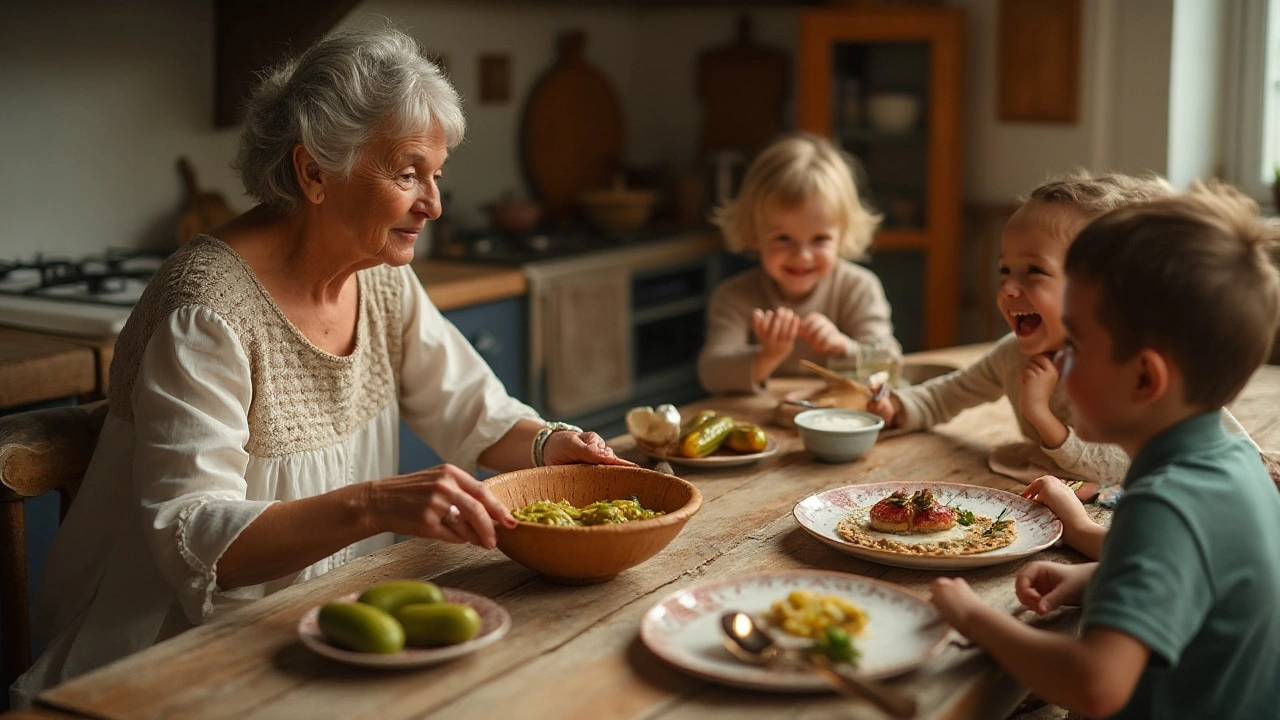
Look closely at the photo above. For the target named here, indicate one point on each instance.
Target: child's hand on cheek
(955, 600)
(823, 335)
(777, 330)
(1038, 381)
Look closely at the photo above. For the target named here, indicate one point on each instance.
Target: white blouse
(164, 496)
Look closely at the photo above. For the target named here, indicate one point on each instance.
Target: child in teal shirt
(1170, 307)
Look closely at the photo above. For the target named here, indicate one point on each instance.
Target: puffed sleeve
(190, 408)
(449, 396)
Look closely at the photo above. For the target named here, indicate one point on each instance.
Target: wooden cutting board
(204, 211)
(571, 136)
(743, 88)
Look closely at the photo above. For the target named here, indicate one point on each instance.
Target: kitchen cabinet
(885, 84)
(497, 331)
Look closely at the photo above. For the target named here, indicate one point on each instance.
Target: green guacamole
(604, 512)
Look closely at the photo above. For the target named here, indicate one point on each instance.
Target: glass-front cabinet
(885, 84)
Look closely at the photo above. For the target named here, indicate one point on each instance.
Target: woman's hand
(566, 448)
(823, 335)
(1043, 586)
(422, 504)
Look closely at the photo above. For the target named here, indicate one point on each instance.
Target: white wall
(1004, 159)
(1198, 70)
(99, 100)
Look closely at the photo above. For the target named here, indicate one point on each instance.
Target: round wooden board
(571, 137)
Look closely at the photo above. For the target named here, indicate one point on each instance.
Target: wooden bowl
(618, 209)
(592, 554)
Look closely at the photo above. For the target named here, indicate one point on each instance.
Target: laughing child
(1020, 366)
(799, 211)
(1170, 307)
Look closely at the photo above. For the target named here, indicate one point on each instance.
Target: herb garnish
(1000, 524)
(837, 645)
(963, 517)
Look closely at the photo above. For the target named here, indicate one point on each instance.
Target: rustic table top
(574, 652)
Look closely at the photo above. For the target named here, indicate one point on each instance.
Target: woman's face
(390, 196)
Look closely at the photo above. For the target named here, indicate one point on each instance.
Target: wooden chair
(40, 451)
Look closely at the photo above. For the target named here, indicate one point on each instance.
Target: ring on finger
(451, 517)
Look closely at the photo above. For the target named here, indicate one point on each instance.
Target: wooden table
(573, 652)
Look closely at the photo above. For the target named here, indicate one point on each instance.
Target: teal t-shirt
(1191, 568)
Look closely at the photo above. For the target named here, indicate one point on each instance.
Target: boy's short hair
(1090, 195)
(790, 171)
(1190, 276)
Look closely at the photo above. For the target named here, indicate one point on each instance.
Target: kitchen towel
(588, 342)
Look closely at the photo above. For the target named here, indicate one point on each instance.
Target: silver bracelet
(540, 440)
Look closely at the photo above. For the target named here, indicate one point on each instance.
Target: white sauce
(838, 423)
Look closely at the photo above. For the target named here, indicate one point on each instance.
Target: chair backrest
(40, 451)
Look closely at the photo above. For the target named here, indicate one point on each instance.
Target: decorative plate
(721, 458)
(902, 631)
(494, 623)
(1038, 527)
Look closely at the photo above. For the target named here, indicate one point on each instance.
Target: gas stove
(89, 296)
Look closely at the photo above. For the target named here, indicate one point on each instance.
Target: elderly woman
(257, 389)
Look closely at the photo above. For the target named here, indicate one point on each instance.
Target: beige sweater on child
(851, 296)
(999, 373)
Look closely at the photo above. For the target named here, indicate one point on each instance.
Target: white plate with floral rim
(903, 631)
(494, 623)
(721, 458)
(1038, 527)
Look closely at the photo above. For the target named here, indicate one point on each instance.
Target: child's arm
(1078, 529)
(861, 314)
(1038, 381)
(1094, 675)
(941, 399)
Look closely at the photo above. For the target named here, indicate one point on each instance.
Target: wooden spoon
(834, 378)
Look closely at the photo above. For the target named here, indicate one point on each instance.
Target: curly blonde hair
(790, 171)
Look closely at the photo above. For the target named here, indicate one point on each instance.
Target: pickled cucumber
(747, 438)
(438, 623)
(391, 596)
(702, 418)
(707, 438)
(360, 627)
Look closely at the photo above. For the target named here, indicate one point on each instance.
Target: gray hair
(333, 99)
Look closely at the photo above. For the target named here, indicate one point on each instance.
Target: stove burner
(115, 277)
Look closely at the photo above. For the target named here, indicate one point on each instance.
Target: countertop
(35, 367)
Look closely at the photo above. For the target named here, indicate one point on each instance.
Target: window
(1253, 111)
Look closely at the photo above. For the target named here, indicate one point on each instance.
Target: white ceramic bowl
(893, 112)
(836, 435)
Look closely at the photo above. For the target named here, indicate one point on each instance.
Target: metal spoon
(748, 642)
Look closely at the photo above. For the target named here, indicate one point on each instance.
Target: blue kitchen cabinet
(497, 331)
